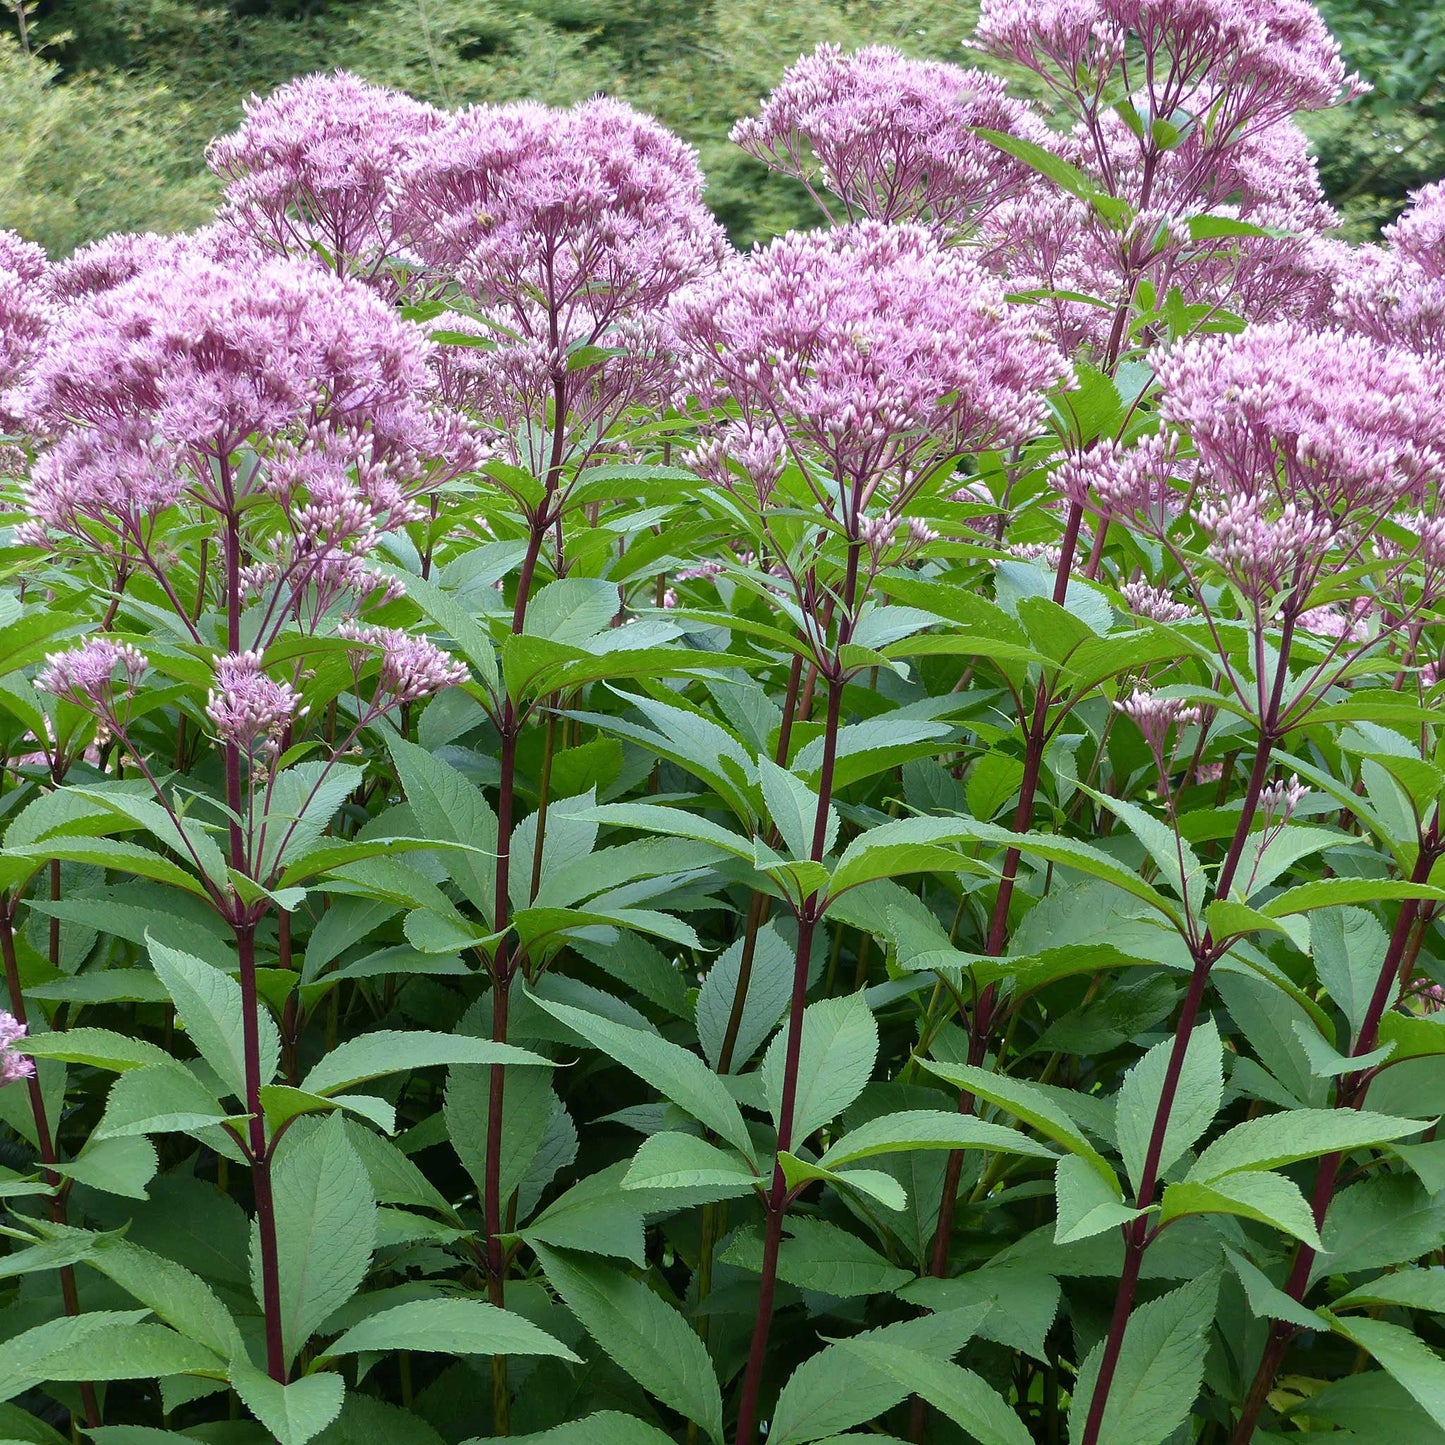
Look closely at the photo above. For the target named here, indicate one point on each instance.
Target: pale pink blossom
(13, 1066)
(411, 667)
(248, 709)
(893, 139)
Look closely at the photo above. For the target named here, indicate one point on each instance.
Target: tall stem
(1405, 938)
(1136, 1234)
(981, 1024)
(259, 1151)
(808, 919)
(45, 1141)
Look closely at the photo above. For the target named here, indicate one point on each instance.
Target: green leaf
(683, 1161)
(1348, 946)
(1196, 1100)
(1277, 1139)
(607, 1427)
(960, 1394)
(209, 1006)
(449, 808)
(770, 985)
(1085, 1203)
(1404, 1356)
(131, 1352)
(325, 1226)
(643, 1334)
(572, 611)
(529, 1107)
(837, 1388)
(1027, 1103)
(1251, 1194)
(157, 1099)
(823, 1257)
(1336, 892)
(793, 806)
(1413, 1289)
(24, 1355)
(839, 1048)
(121, 1166)
(393, 1051)
(293, 1413)
(449, 1327)
(1159, 1372)
(100, 1048)
(670, 1069)
(872, 1182)
(929, 1129)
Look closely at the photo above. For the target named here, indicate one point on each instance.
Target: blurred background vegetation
(106, 105)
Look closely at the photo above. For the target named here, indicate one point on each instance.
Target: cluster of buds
(249, 710)
(99, 676)
(411, 667)
(13, 1066)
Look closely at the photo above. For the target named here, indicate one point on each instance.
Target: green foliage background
(107, 111)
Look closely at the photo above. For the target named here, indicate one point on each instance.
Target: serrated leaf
(960, 1394)
(209, 1006)
(1085, 1204)
(393, 1051)
(670, 1069)
(1277, 1139)
(1251, 1194)
(839, 1048)
(683, 1161)
(1405, 1357)
(770, 985)
(449, 1327)
(325, 1226)
(929, 1129)
(294, 1413)
(1195, 1102)
(157, 1099)
(1161, 1365)
(823, 1257)
(643, 1334)
(836, 1389)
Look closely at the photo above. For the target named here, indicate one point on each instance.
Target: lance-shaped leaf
(670, 1069)
(209, 1005)
(1278, 1139)
(393, 1051)
(449, 1327)
(293, 1413)
(835, 1062)
(649, 1339)
(930, 1129)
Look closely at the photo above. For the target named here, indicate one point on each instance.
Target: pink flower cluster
(1262, 59)
(13, 1066)
(99, 675)
(208, 383)
(310, 167)
(25, 313)
(860, 349)
(568, 230)
(1397, 293)
(1303, 437)
(411, 667)
(248, 709)
(893, 139)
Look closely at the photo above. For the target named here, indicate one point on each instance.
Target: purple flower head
(13, 1066)
(25, 313)
(1145, 600)
(100, 676)
(411, 667)
(1263, 59)
(1154, 715)
(1420, 233)
(894, 139)
(1397, 294)
(1303, 437)
(867, 345)
(198, 383)
(311, 164)
(567, 230)
(246, 707)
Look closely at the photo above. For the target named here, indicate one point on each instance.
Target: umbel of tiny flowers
(411, 667)
(212, 387)
(100, 676)
(247, 708)
(309, 169)
(13, 1066)
(565, 231)
(859, 352)
(25, 313)
(1397, 293)
(893, 139)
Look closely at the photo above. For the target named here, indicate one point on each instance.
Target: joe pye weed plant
(609, 841)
